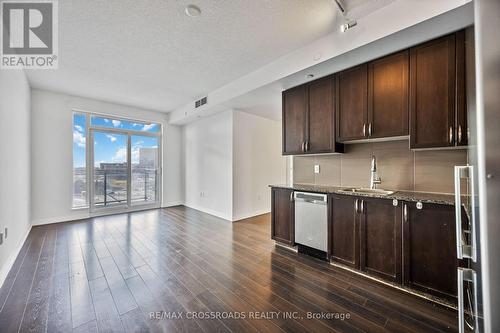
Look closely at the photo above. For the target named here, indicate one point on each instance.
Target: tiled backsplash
(399, 167)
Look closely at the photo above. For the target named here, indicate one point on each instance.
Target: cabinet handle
(470, 276)
(459, 133)
(356, 211)
(450, 135)
(291, 196)
(464, 249)
(405, 213)
(307, 145)
(362, 208)
(303, 146)
(370, 129)
(364, 129)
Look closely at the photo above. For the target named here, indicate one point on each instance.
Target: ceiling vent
(200, 102)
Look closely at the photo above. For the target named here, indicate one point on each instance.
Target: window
(140, 126)
(79, 160)
(124, 162)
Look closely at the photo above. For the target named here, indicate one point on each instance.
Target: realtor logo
(29, 34)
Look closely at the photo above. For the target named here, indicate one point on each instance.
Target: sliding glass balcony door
(110, 169)
(125, 165)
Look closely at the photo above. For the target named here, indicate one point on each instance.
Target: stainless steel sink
(367, 191)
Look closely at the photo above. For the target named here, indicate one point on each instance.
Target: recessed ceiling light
(192, 11)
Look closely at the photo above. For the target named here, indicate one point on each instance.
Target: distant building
(113, 166)
(148, 158)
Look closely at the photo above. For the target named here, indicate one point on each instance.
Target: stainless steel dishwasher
(311, 217)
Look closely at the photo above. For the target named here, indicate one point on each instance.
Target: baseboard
(172, 204)
(209, 211)
(12, 258)
(251, 214)
(51, 220)
(84, 214)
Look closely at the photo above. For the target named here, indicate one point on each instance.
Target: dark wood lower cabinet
(388, 239)
(429, 249)
(380, 238)
(282, 216)
(409, 246)
(344, 230)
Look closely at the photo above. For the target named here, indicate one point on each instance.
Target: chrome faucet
(374, 178)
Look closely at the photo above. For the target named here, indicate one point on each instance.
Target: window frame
(89, 154)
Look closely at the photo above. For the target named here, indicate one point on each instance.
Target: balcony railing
(110, 186)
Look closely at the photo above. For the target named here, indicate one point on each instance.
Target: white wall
(14, 164)
(257, 163)
(230, 159)
(208, 164)
(52, 146)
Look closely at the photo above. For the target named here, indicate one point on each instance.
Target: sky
(110, 147)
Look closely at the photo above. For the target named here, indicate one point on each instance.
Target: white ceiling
(149, 54)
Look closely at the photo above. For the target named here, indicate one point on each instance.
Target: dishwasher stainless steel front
(311, 218)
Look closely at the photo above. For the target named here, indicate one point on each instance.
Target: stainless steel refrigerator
(477, 185)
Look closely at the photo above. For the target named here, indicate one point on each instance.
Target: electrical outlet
(316, 168)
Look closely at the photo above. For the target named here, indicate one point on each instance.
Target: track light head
(348, 25)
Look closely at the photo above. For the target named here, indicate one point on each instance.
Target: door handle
(405, 213)
(470, 276)
(465, 250)
(370, 129)
(356, 211)
(459, 134)
(364, 129)
(450, 135)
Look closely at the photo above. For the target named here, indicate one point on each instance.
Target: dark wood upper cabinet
(380, 238)
(388, 80)
(429, 249)
(282, 216)
(344, 230)
(320, 129)
(294, 119)
(437, 92)
(420, 92)
(352, 103)
(308, 119)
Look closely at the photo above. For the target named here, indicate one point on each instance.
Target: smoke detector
(192, 11)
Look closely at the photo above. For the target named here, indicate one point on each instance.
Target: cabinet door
(320, 117)
(380, 238)
(388, 80)
(352, 106)
(432, 93)
(344, 230)
(429, 249)
(294, 119)
(282, 222)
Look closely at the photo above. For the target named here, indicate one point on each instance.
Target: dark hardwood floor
(112, 274)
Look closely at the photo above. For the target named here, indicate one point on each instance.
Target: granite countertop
(424, 197)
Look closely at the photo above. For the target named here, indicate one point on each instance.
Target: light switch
(316, 168)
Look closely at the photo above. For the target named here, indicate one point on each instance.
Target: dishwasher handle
(314, 198)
